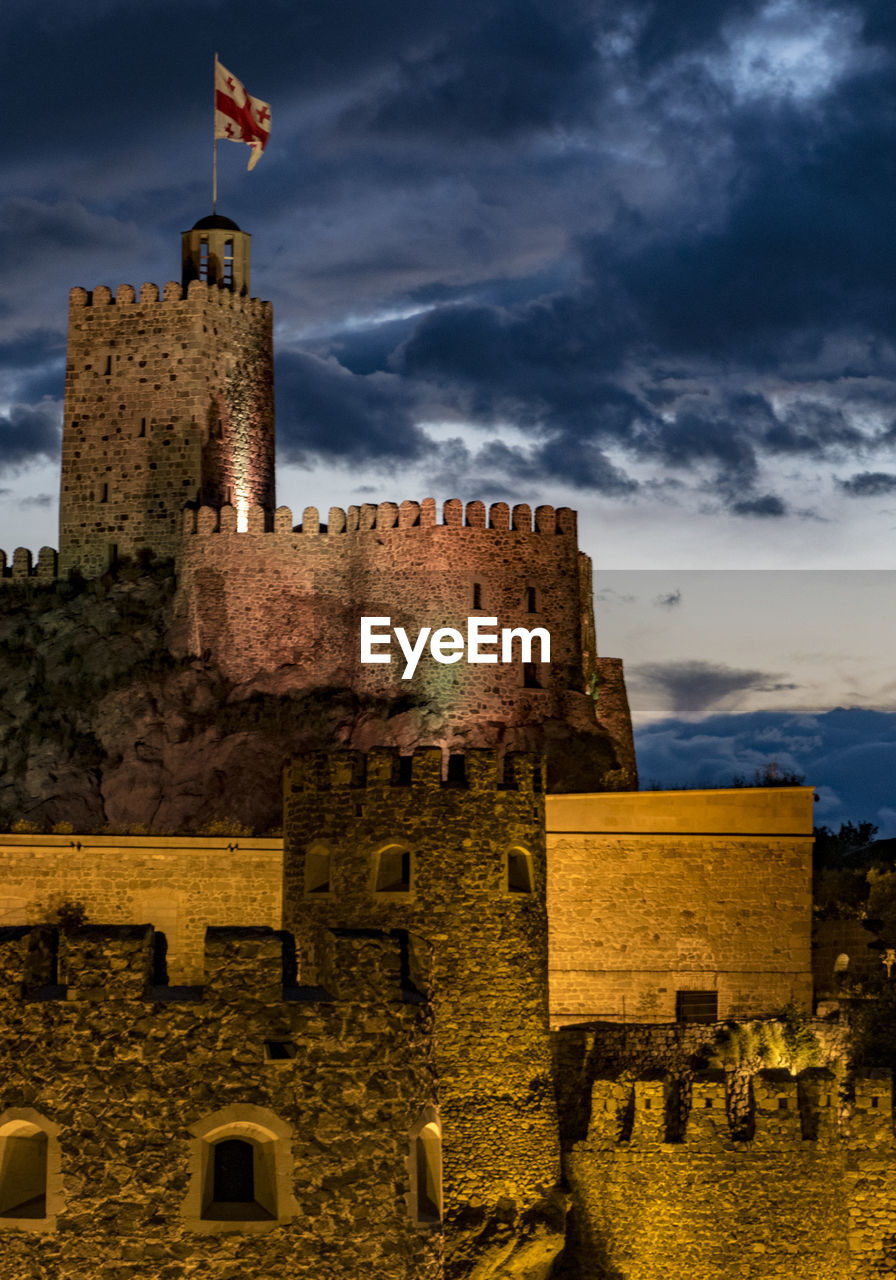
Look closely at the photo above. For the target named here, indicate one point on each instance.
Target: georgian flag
(239, 117)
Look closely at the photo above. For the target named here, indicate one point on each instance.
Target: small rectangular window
(104, 493)
(530, 676)
(531, 600)
(279, 1050)
(696, 1006)
(317, 871)
(457, 771)
(477, 595)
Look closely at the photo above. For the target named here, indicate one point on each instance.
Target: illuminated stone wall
(166, 402)
(659, 892)
(128, 1072)
(486, 953)
(801, 1192)
(180, 885)
(289, 602)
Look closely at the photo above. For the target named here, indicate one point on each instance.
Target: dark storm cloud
(692, 688)
(848, 755)
(869, 484)
(671, 600)
(618, 234)
(28, 432)
(324, 410)
(765, 507)
(562, 459)
(522, 68)
(145, 62)
(34, 230)
(32, 367)
(669, 30)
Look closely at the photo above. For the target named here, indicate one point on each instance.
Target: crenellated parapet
(23, 565)
(172, 293)
(382, 516)
(244, 966)
(778, 1112)
(385, 769)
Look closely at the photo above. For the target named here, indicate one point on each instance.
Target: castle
(449, 1024)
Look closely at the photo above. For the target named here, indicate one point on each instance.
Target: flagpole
(214, 139)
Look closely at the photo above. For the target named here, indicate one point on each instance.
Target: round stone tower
(169, 401)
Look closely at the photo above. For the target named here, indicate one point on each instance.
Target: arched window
(23, 1172)
(318, 868)
(239, 1187)
(30, 1194)
(518, 871)
(241, 1169)
(394, 870)
(841, 965)
(426, 1169)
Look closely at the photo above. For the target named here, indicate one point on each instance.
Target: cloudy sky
(638, 258)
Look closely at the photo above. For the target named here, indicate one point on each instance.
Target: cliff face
(101, 725)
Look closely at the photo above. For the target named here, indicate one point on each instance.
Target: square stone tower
(168, 402)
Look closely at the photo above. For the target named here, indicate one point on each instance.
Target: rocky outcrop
(103, 727)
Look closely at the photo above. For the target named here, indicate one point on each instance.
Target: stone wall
(167, 402)
(799, 1194)
(601, 889)
(134, 1083)
(486, 954)
(180, 886)
(661, 892)
(289, 602)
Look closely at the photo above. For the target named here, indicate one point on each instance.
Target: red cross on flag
(239, 117)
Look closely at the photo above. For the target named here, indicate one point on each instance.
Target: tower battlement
(381, 516)
(771, 1110)
(120, 962)
(173, 292)
(385, 769)
(23, 565)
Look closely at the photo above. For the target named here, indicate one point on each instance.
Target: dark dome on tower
(215, 222)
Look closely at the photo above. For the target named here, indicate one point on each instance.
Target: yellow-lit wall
(650, 893)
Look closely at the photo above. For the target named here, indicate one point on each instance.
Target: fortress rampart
(288, 599)
(786, 1188)
(133, 1083)
(264, 598)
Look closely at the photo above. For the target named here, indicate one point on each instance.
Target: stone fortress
(449, 1023)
